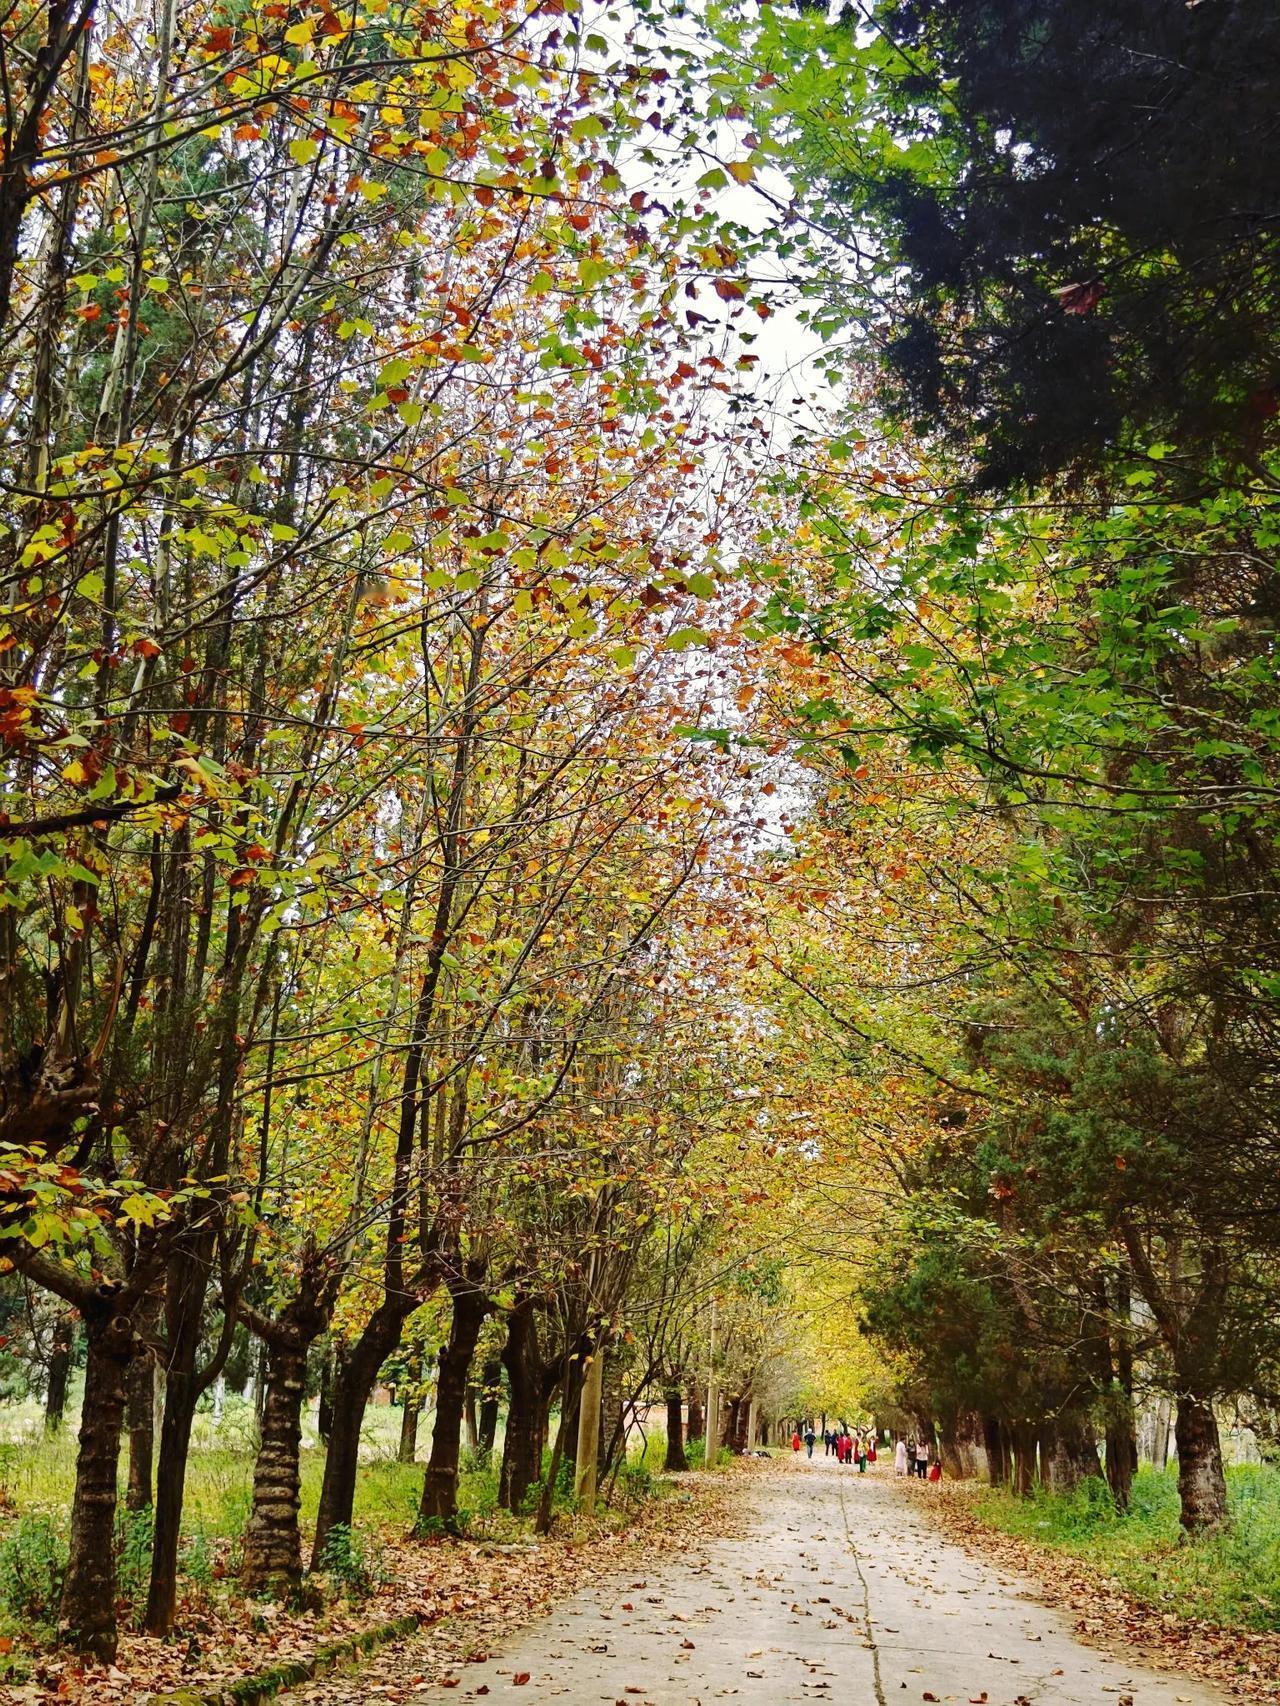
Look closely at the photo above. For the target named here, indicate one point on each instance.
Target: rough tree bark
(526, 1416)
(696, 1423)
(411, 1409)
(140, 1418)
(1024, 1458)
(88, 1611)
(676, 1461)
(1072, 1453)
(1202, 1486)
(440, 1488)
(352, 1386)
(61, 1352)
(489, 1396)
(272, 1542)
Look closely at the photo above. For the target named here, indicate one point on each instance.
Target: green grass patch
(1231, 1578)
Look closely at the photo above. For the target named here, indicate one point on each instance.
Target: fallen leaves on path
(1244, 1663)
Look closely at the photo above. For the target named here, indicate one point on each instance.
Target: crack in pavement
(866, 1600)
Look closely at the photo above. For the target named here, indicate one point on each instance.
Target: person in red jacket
(795, 1440)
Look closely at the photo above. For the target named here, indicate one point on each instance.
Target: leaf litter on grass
(1244, 1663)
(470, 1594)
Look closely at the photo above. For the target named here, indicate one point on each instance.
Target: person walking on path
(862, 1457)
(795, 1440)
(922, 1459)
(810, 1440)
(871, 1448)
(900, 1458)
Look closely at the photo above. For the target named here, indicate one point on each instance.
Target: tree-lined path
(840, 1591)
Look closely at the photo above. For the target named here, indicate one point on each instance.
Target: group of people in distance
(912, 1458)
(839, 1443)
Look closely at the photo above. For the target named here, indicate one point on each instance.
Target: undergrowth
(1230, 1578)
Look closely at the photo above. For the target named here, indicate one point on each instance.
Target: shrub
(350, 1562)
(134, 1531)
(33, 1562)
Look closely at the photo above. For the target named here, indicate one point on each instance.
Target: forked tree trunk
(440, 1488)
(676, 1461)
(1202, 1486)
(470, 1416)
(352, 1384)
(272, 1542)
(88, 1610)
(526, 1415)
(140, 1418)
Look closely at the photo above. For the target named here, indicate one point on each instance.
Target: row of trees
(1030, 594)
(360, 866)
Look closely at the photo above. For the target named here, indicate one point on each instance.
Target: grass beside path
(1231, 1579)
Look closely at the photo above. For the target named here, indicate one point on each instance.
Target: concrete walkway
(841, 1592)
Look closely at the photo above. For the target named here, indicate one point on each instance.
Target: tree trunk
(676, 1461)
(352, 1384)
(586, 1469)
(470, 1417)
(140, 1416)
(440, 1488)
(181, 1391)
(526, 1417)
(408, 1448)
(1160, 1443)
(696, 1423)
(60, 1356)
(272, 1542)
(186, 1287)
(1202, 1487)
(324, 1411)
(410, 1397)
(1122, 1460)
(612, 1429)
(1024, 1452)
(487, 1430)
(88, 1611)
(1072, 1454)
